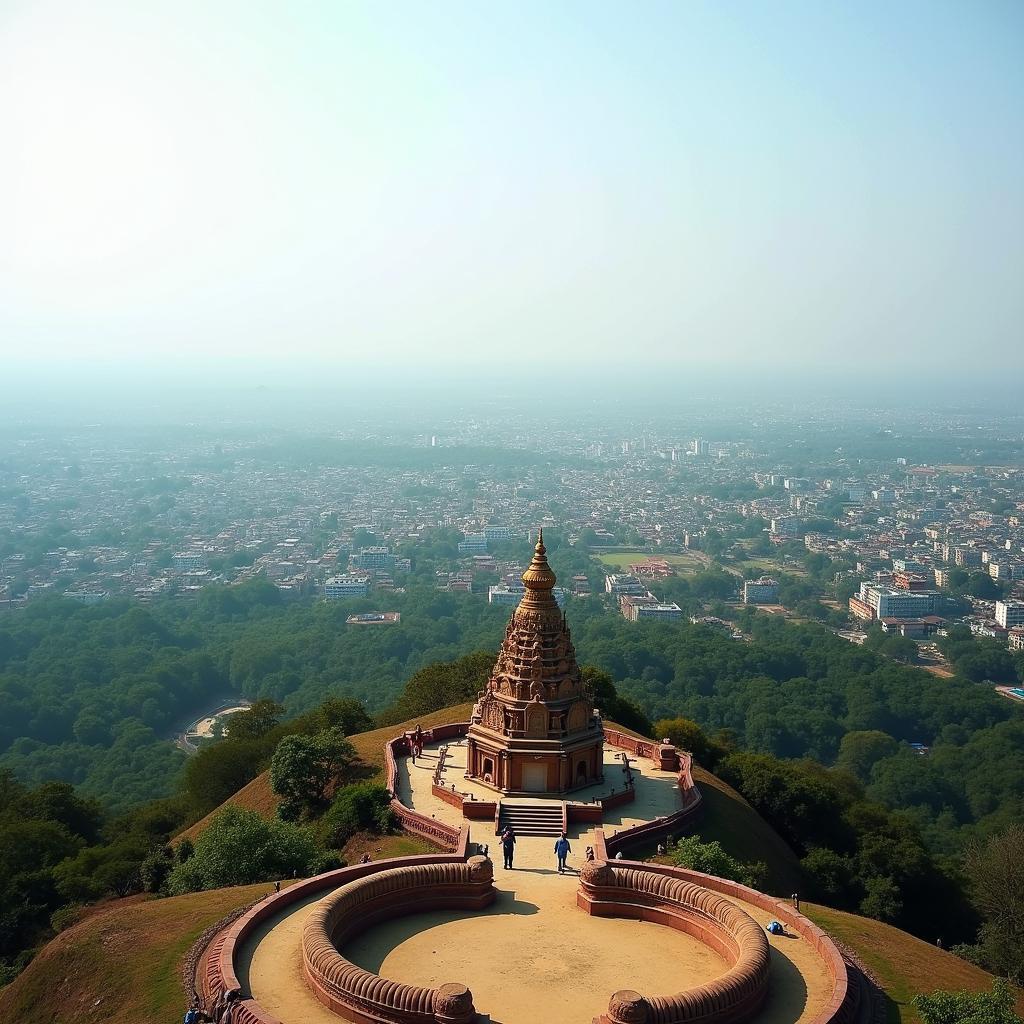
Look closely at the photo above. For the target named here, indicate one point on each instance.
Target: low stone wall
(219, 975)
(446, 836)
(362, 996)
(691, 800)
(699, 911)
(841, 1006)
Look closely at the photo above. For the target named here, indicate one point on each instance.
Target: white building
(786, 526)
(1010, 614)
(622, 583)
(497, 533)
(187, 561)
(761, 591)
(663, 612)
(473, 544)
(891, 603)
(373, 558)
(348, 585)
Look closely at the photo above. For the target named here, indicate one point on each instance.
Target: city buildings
(346, 585)
(760, 591)
(1010, 614)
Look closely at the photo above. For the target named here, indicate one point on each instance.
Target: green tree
(240, 847)
(711, 859)
(861, 750)
(303, 767)
(995, 1007)
(688, 735)
(881, 899)
(364, 806)
(256, 721)
(995, 869)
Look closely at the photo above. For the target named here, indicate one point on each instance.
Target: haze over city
(270, 192)
(585, 432)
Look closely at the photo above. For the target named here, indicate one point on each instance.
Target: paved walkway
(533, 955)
(657, 794)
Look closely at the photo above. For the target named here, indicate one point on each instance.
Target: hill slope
(902, 964)
(122, 964)
(727, 818)
(258, 796)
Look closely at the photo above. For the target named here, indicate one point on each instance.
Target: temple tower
(533, 729)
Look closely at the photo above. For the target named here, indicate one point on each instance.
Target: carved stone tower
(533, 729)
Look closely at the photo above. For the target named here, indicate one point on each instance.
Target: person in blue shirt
(562, 850)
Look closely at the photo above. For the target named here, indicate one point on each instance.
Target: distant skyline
(719, 187)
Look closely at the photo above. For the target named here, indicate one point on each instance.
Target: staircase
(531, 819)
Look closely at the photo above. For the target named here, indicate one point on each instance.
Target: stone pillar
(453, 1004)
(668, 758)
(628, 1007)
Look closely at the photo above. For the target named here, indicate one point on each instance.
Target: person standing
(562, 850)
(508, 845)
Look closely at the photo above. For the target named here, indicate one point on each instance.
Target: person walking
(508, 845)
(562, 850)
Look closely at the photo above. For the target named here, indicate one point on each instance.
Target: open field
(902, 964)
(770, 566)
(621, 560)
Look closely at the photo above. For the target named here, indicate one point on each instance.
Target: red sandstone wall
(842, 1003)
(220, 973)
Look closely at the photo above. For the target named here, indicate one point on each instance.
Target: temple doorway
(535, 778)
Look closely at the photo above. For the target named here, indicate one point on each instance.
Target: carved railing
(842, 1002)
(357, 993)
(711, 918)
(219, 975)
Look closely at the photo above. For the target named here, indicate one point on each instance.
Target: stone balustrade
(365, 997)
(708, 916)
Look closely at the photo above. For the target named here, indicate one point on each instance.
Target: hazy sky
(445, 183)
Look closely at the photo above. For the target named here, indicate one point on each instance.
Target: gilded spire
(538, 575)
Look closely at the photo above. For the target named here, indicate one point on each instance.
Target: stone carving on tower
(534, 730)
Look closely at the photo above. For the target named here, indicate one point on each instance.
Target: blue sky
(698, 185)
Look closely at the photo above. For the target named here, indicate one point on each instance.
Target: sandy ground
(533, 955)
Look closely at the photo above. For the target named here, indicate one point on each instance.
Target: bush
(995, 1007)
(711, 859)
(240, 847)
(356, 808)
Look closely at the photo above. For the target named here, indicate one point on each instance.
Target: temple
(533, 729)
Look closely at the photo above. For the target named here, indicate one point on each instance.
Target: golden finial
(538, 575)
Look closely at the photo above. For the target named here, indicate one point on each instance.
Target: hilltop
(85, 974)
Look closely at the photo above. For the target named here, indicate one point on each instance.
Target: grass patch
(120, 965)
(382, 847)
(903, 965)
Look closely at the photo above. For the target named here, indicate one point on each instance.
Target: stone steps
(531, 819)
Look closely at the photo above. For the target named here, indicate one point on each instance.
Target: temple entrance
(581, 772)
(488, 772)
(535, 778)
